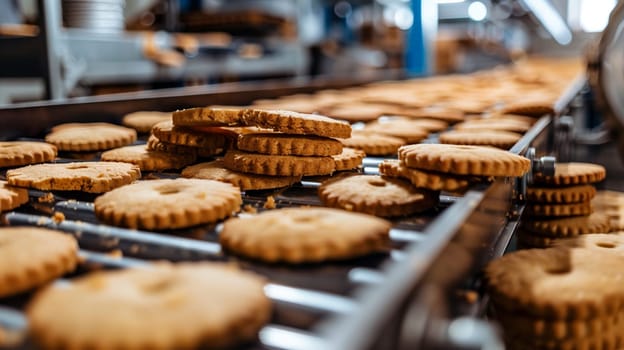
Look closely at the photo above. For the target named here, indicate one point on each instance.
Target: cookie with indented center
(90, 136)
(18, 153)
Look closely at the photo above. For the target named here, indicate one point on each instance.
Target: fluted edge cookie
(18, 153)
(350, 158)
(288, 145)
(208, 116)
(90, 136)
(569, 194)
(209, 143)
(296, 123)
(143, 121)
(373, 144)
(500, 139)
(425, 179)
(11, 197)
(573, 174)
(148, 160)
(563, 209)
(278, 165)
(570, 226)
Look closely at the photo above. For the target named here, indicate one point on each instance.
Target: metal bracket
(544, 165)
(564, 138)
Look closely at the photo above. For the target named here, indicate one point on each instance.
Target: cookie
(448, 115)
(605, 200)
(93, 177)
(613, 340)
(216, 170)
(557, 283)
(18, 153)
(90, 136)
(31, 257)
(431, 125)
(288, 145)
(531, 108)
(168, 204)
(148, 160)
(373, 144)
(208, 116)
(499, 139)
(425, 179)
(564, 209)
(569, 227)
(11, 197)
(498, 124)
(350, 158)
(278, 165)
(403, 129)
(611, 243)
(102, 309)
(356, 112)
(296, 123)
(304, 235)
(464, 160)
(376, 195)
(209, 143)
(569, 194)
(527, 240)
(154, 144)
(573, 174)
(143, 121)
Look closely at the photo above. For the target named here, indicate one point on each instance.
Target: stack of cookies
(560, 206)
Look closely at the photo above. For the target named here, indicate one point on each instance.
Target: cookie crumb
(58, 217)
(46, 198)
(248, 208)
(270, 203)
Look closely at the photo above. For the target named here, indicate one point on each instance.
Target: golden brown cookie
(569, 194)
(350, 158)
(557, 283)
(143, 121)
(606, 199)
(168, 204)
(406, 130)
(373, 144)
(288, 145)
(18, 153)
(31, 257)
(569, 227)
(148, 160)
(425, 179)
(499, 138)
(101, 310)
(464, 160)
(527, 240)
(216, 170)
(208, 116)
(356, 112)
(93, 177)
(612, 340)
(154, 144)
(376, 195)
(209, 143)
(304, 235)
(264, 164)
(573, 174)
(90, 136)
(11, 197)
(296, 123)
(431, 125)
(448, 115)
(531, 108)
(498, 124)
(612, 243)
(562, 209)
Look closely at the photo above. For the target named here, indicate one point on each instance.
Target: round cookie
(11, 197)
(90, 136)
(356, 112)
(396, 122)
(288, 145)
(208, 116)
(143, 121)
(401, 128)
(245, 181)
(168, 204)
(498, 124)
(154, 144)
(425, 179)
(573, 174)
(350, 158)
(464, 160)
(264, 164)
(296, 123)
(499, 138)
(611, 243)
(376, 195)
(304, 235)
(448, 115)
(373, 144)
(565, 209)
(569, 227)
(209, 143)
(570, 194)
(18, 153)
(30, 257)
(535, 108)
(163, 306)
(93, 177)
(148, 160)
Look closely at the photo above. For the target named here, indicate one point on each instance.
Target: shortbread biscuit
(373, 144)
(305, 235)
(11, 197)
(296, 123)
(530, 108)
(425, 179)
(527, 240)
(569, 227)
(398, 122)
(356, 112)
(288, 145)
(148, 160)
(350, 158)
(498, 138)
(31, 257)
(182, 306)
(403, 129)
(611, 243)
(143, 121)
(573, 174)
(209, 143)
(612, 340)
(264, 164)
(562, 209)
(448, 115)
(464, 160)
(557, 283)
(90, 136)
(18, 153)
(216, 170)
(154, 144)
(93, 177)
(376, 195)
(208, 116)
(569, 194)
(498, 124)
(168, 204)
